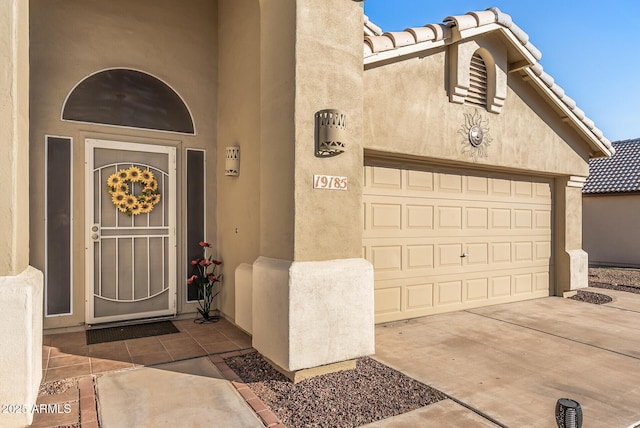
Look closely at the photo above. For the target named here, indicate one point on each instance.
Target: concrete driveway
(510, 363)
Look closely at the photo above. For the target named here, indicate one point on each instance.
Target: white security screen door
(130, 231)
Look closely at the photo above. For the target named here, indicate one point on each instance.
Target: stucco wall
(20, 285)
(277, 94)
(14, 134)
(610, 233)
(171, 40)
(407, 110)
(307, 66)
(328, 223)
(238, 125)
(306, 234)
(408, 115)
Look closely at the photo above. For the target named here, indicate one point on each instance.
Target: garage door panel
(413, 297)
(419, 296)
(477, 289)
(542, 219)
(501, 218)
(500, 187)
(478, 185)
(449, 292)
(501, 286)
(449, 217)
(449, 255)
(384, 178)
(523, 219)
(449, 183)
(399, 259)
(477, 218)
(523, 251)
(542, 281)
(543, 191)
(388, 300)
(524, 189)
(387, 258)
(421, 181)
(442, 241)
(543, 251)
(420, 257)
(523, 283)
(477, 253)
(410, 215)
(501, 252)
(386, 216)
(419, 217)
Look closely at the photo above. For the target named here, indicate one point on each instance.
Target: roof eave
(598, 147)
(400, 54)
(520, 59)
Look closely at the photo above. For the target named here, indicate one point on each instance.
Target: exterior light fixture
(568, 413)
(330, 133)
(232, 161)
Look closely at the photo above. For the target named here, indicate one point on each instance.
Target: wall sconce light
(330, 133)
(568, 413)
(232, 161)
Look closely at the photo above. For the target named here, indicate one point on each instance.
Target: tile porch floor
(67, 356)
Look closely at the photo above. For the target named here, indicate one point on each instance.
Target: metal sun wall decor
(475, 135)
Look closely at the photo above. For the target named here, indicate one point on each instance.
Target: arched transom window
(123, 97)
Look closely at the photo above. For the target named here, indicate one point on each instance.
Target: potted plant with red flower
(205, 277)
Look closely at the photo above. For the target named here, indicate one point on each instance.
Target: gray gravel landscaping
(373, 391)
(589, 297)
(619, 279)
(351, 398)
(616, 277)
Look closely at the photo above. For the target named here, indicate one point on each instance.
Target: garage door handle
(465, 255)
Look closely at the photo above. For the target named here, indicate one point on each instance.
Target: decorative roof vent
(477, 74)
(477, 93)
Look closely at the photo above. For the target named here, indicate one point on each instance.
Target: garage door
(442, 241)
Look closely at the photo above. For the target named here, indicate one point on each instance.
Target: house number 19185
(329, 182)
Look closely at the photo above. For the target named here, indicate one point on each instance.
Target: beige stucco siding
(328, 76)
(610, 233)
(410, 119)
(407, 111)
(238, 204)
(173, 41)
(277, 127)
(14, 134)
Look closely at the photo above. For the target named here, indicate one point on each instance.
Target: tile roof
(381, 48)
(371, 29)
(617, 174)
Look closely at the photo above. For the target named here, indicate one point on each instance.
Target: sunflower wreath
(125, 202)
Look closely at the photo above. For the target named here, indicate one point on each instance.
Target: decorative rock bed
(619, 279)
(589, 297)
(370, 392)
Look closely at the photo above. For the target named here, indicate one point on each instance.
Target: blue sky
(589, 47)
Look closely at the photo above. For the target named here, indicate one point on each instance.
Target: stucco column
(20, 285)
(571, 261)
(312, 290)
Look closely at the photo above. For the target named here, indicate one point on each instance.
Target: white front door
(130, 231)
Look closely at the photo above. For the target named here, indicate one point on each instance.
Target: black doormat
(112, 334)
